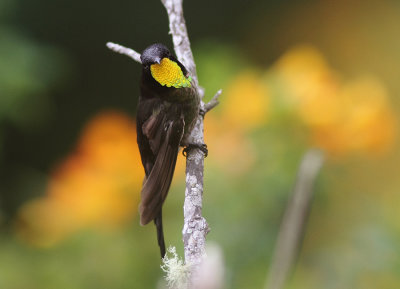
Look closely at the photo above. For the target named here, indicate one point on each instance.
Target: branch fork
(195, 226)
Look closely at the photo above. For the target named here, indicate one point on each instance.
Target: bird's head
(154, 54)
(164, 67)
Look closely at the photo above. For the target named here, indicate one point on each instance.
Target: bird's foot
(202, 112)
(202, 147)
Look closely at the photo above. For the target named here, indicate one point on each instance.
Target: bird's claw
(202, 147)
(202, 112)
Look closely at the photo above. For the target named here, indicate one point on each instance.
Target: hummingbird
(166, 114)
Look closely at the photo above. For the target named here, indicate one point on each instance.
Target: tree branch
(180, 36)
(124, 50)
(213, 102)
(195, 226)
(294, 219)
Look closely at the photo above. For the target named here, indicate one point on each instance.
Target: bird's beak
(158, 60)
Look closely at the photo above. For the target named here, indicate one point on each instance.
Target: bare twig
(213, 102)
(293, 223)
(125, 51)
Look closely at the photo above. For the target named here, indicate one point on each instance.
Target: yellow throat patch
(168, 73)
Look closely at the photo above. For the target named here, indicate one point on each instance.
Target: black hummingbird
(166, 114)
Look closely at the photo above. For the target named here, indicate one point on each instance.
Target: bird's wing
(155, 131)
(164, 132)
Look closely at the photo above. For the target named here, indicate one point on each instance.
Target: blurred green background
(296, 74)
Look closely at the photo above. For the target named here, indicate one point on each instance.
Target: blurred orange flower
(97, 186)
(229, 147)
(305, 74)
(342, 117)
(245, 106)
(246, 101)
(365, 122)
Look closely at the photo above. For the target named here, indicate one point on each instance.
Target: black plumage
(165, 118)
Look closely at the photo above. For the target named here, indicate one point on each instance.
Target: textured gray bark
(195, 226)
(180, 36)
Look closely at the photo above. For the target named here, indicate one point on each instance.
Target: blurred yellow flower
(245, 106)
(364, 123)
(229, 147)
(341, 117)
(97, 186)
(246, 101)
(371, 123)
(305, 74)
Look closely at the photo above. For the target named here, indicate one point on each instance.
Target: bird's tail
(160, 233)
(156, 186)
(158, 181)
